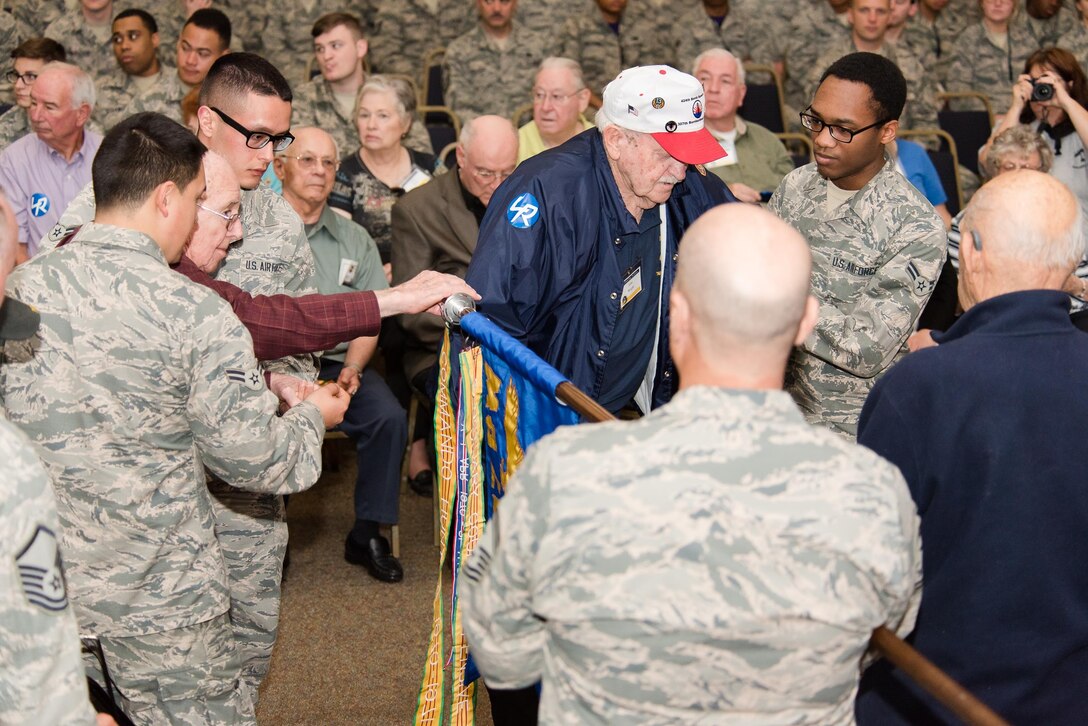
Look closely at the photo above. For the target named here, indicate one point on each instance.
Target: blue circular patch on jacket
(523, 212)
(39, 204)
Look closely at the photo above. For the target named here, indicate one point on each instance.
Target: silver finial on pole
(457, 306)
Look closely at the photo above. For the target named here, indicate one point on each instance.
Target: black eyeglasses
(27, 78)
(843, 135)
(257, 139)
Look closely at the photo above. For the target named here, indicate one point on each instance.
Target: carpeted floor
(350, 648)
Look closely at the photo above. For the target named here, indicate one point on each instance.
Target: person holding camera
(1051, 96)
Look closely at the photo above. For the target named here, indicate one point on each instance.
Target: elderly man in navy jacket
(987, 428)
(578, 248)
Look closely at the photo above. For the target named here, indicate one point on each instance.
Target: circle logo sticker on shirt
(523, 212)
(697, 109)
(658, 103)
(670, 126)
(39, 204)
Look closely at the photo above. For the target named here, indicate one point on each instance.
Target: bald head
(487, 143)
(1029, 218)
(213, 234)
(743, 284)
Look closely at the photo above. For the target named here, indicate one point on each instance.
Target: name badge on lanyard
(632, 285)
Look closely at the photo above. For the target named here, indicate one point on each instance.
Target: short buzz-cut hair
(213, 20)
(334, 20)
(886, 83)
(139, 154)
(45, 49)
(145, 17)
(235, 75)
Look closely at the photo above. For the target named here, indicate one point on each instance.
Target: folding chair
(442, 124)
(434, 94)
(763, 101)
(970, 128)
(945, 159)
(799, 146)
(447, 155)
(522, 115)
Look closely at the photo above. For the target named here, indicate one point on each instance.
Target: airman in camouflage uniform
(695, 31)
(274, 257)
(409, 29)
(192, 389)
(546, 16)
(1046, 31)
(286, 39)
(933, 40)
(1075, 40)
(814, 27)
(41, 677)
(36, 15)
(978, 65)
(119, 97)
(88, 47)
(717, 561)
(602, 53)
(14, 124)
(769, 29)
(875, 261)
(486, 76)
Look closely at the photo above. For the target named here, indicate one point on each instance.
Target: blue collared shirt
(39, 182)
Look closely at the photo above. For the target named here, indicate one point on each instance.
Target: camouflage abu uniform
(586, 38)
(82, 46)
(41, 677)
(119, 97)
(695, 31)
(273, 257)
(286, 40)
(159, 380)
(718, 561)
(14, 124)
(486, 77)
(979, 66)
(1046, 32)
(250, 526)
(409, 29)
(1075, 40)
(315, 105)
(875, 260)
(545, 16)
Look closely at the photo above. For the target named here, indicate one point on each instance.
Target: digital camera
(1041, 91)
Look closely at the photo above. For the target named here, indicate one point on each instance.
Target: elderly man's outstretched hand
(423, 293)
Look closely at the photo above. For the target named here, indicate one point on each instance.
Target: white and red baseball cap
(668, 105)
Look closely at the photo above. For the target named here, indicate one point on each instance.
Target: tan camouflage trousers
(185, 676)
(252, 534)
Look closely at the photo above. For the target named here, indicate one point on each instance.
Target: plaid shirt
(282, 325)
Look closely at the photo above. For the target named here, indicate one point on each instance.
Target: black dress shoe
(376, 557)
(422, 483)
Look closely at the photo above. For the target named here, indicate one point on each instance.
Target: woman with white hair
(371, 179)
